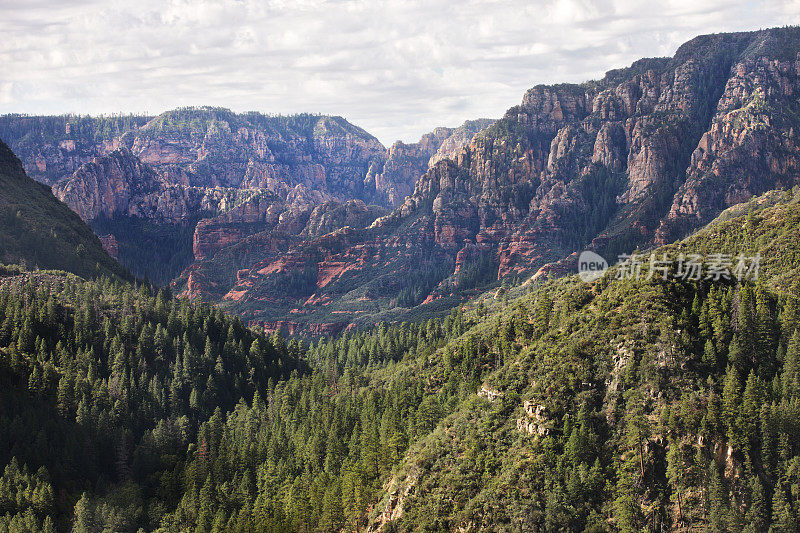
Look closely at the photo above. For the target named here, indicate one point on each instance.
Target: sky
(397, 68)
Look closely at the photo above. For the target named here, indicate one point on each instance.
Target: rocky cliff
(638, 158)
(119, 183)
(210, 148)
(395, 178)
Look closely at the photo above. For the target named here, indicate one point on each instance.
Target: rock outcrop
(119, 183)
(110, 245)
(396, 177)
(750, 147)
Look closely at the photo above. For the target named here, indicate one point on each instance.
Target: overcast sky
(397, 68)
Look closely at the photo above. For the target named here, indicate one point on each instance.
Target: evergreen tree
(731, 402)
(783, 516)
(757, 516)
(83, 517)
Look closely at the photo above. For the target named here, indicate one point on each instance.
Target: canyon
(309, 221)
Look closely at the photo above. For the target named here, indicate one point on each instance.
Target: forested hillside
(619, 405)
(41, 232)
(102, 391)
(627, 405)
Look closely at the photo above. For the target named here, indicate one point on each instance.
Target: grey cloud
(394, 67)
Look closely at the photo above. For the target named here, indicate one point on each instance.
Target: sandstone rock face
(52, 148)
(239, 173)
(119, 183)
(750, 147)
(214, 148)
(197, 147)
(455, 140)
(407, 162)
(331, 216)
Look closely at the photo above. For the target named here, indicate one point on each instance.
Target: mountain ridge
(233, 172)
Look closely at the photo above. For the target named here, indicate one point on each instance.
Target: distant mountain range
(237, 172)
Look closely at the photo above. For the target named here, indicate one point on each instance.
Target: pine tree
(790, 376)
(542, 314)
(747, 328)
(736, 355)
(207, 505)
(765, 334)
(731, 400)
(750, 410)
(783, 516)
(219, 523)
(48, 526)
(65, 397)
(627, 511)
(710, 354)
(676, 474)
(768, 440)
(704, 321)
(718, 513)
(757, 516)
(83, 517)
(332, 513)
(790, 316)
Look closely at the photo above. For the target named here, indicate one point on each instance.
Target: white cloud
(6, 89)
(397, 68)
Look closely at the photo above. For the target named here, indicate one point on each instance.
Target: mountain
(647, 399)
(167, 172)
(144, 183)
(41, 232)
(637, 159)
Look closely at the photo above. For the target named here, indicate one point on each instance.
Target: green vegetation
(629, 405)
(420, 280)
(103, 390)
(308, 125)
(38, 231)
(26, 129)
(157, 251)
(141, 411)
